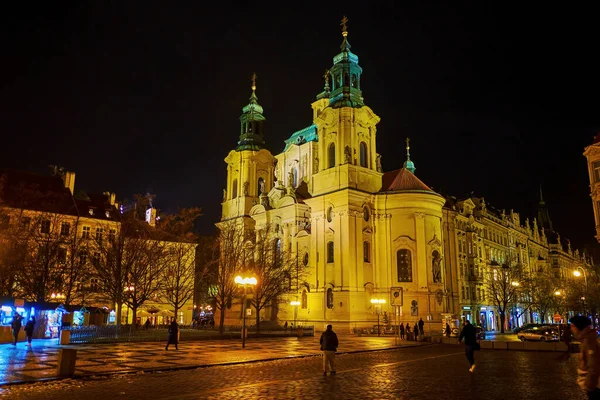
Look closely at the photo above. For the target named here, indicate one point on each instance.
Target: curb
(199, 366)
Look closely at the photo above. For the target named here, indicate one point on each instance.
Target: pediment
(285, 201)
(404, 239)
(368, 230)
(257, 209)
(435, 241)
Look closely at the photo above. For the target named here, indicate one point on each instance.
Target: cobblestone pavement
(427, 372)
(20, 363)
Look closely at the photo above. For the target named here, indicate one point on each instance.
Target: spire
(408, 164)
(543, 214)
(345, 75)
(251, 132)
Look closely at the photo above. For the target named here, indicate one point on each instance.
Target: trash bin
(65, 336)
(66, 362)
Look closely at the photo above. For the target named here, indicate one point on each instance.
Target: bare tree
(503, 288)
(539, 292)
(227, 254)
(274, 268)
(41, 272)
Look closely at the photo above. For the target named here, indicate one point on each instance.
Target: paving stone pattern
(426, 372)
(21, 363)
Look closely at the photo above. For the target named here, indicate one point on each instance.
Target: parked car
(527, 326)
(542, 333)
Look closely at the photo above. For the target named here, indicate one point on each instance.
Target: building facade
(363, 234)
(592, 155)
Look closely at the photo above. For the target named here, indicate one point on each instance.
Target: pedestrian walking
(416, 331)
(285, 326)
(16, 326)
(447, 330)
(29, 329)
(329, 344)
(173, 331)
(588, 370)
(401, 331)
(421, 327)
(468, 333)
(147, 324)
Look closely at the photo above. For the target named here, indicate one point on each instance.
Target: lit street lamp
(295, 304)
(244, 282)
(378, 303)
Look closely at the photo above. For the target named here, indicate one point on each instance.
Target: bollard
(66, 362)
(65, 336)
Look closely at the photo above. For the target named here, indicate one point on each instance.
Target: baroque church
(362, 234)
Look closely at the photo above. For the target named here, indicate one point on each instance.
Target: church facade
(361, 234)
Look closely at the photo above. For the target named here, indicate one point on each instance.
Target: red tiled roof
(402, 180)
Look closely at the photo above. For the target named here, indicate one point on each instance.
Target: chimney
(69, 181)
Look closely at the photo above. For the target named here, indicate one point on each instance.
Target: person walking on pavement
(416, 330)
(29, 329)
(16, 326)
(329, 344)
(421, 327)
(588, 370)
(173, 331)
(469, 334)
(401, 331)
(447, 330)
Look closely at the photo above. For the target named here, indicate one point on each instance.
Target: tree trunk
(502, 319)
(133, 316)
(222, 321)
(175, 309)
(119, 312)
(257, 321)
(543, 317)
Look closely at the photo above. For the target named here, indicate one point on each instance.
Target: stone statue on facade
(348, 154)
(245, 188)
(262, 187)
(436, 268)
(378, 163)
(224, 194)
(316, 165)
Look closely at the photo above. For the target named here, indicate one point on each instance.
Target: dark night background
(145, 97)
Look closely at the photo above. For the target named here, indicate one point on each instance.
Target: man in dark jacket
(469, 334)
(588, 370)
(16, 326)
(329, 344)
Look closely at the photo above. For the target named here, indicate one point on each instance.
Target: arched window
(304, 303)
(295, 175)
(330, 214)
(260, 187)
(330, 252)
(234, 189)
(329, 298)
(404, 261)
(367, 251)
(363, 154)
(331, 155)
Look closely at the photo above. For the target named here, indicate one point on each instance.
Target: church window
(304, 303)
(363, 154)
(295, 176)
(277, 247)
(331, 155)
(330, 214)
(404, 261)
(234, 189)
(354, 81)
(330, 298)
(305, 261)
(367, 251)
(596, 166)
(346, 79)
(366, 214)
(330, 252)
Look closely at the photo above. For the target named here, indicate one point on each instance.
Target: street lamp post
(378, 303)
(295, 304)
(244, 282)
(577, 273)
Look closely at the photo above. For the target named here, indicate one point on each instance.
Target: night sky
(146, 97)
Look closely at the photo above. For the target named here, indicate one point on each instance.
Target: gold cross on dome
(407, 143)
(254, 81)
(344, 24)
